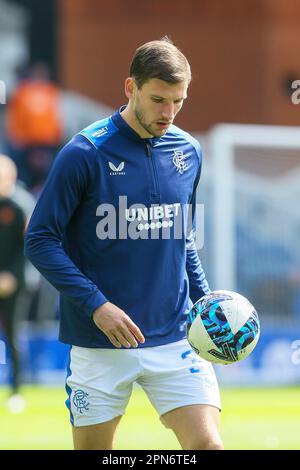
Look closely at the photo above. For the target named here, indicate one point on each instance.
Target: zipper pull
(149, 150)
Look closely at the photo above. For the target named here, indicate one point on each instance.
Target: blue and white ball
(223, 327)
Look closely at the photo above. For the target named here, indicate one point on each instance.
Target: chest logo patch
(179, 160)
(117, 170)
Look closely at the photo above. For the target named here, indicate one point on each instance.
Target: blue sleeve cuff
(94, 302)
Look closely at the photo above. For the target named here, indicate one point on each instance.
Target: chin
(160, 132)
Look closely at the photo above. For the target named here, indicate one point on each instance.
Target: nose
(168, 112)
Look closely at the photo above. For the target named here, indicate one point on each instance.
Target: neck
(130, 118)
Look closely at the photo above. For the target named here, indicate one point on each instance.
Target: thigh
(96, 437)
(174, 377)
(99, 385)
(196, 427)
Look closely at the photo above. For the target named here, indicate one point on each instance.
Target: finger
(121, 339)
(135, 330)
(129, 337)
(114, 341)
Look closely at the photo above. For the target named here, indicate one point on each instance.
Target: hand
(8, 284)
(117, 326)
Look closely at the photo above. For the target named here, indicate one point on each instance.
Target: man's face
(156, 104)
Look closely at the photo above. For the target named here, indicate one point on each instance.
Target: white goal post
(222, 143)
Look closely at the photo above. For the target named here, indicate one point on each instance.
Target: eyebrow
(162, 98)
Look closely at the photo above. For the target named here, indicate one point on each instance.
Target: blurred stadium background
(245, 57)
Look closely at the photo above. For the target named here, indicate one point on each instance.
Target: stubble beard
(141, 120)
(139, 115)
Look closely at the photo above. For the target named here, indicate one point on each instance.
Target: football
(223, 327)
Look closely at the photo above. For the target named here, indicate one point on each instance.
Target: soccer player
(105, 232)
(12, 226)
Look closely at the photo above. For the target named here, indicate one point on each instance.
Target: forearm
(197, 280)
(49, 257)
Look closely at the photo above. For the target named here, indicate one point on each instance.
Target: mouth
(163, 124)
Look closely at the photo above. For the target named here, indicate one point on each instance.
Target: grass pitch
(251, 419)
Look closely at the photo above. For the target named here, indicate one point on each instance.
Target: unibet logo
(166, 221)
(152, 218)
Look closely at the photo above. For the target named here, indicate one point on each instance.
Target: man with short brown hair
(110, 232)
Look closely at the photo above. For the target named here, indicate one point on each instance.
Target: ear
(129, 87)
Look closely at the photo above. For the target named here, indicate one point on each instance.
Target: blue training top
(90, 243)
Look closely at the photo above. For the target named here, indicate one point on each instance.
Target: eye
(157, 100)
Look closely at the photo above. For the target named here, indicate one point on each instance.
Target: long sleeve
(60, 198)
(197, 281)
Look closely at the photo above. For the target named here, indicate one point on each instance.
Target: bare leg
(196, 427)
(95, 437)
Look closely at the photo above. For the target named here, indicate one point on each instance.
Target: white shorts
(100, 381)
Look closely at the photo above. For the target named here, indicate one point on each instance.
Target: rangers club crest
(179, 161)
(80, 401)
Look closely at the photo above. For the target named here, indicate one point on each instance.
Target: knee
(210, 443)
(214, 445)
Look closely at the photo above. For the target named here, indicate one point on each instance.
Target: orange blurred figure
(32, 115)
(33, 126)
